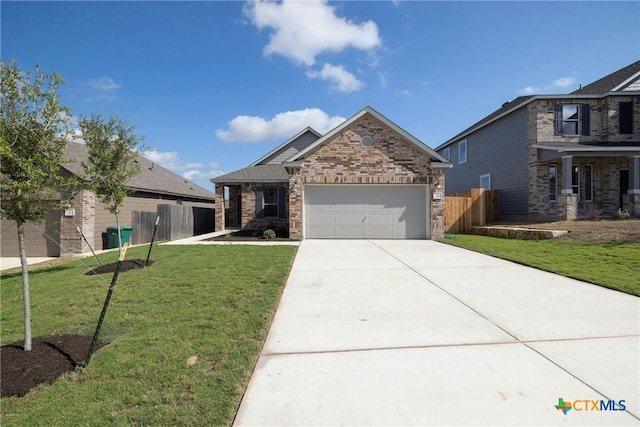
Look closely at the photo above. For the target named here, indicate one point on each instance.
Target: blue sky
(216, 85)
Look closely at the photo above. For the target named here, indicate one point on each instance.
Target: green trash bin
(112, 234)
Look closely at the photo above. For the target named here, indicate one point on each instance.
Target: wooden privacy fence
(474, 207)
(176, 222)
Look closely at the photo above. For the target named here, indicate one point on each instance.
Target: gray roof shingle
(258, 173)
(610, 82)
(153, 178)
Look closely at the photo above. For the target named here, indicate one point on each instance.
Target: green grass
(613, 265)
(213, 302)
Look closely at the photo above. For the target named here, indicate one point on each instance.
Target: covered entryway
(366, 211)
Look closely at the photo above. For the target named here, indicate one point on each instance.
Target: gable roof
(506, 108)
(153, 178)
(621, 80)
(288, 144)
(257, 173)
(626, 79)
(439, 160)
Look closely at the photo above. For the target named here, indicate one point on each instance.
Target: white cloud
(281, 126)
(560, 83)
(304, 29)
(106, 89)
(196, 175)
(191, 171)
(563, 82)
(528, 90)
(343, 81)
(106, 84)
(404, 92)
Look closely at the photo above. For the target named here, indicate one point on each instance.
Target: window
(462, 152)
(270, 202)
(570, 116)
(575, 180)
(485, 181)
(366, 141)
(588, 183)
(626, 117)
(447, 153)
(553, 183)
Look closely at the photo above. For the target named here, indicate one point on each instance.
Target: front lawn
(613, 265)
(213, 302)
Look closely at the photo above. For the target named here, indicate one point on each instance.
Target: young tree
(32, 142)
(113, 150)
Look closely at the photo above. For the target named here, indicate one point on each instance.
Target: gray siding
(499, 149)
(299, 144)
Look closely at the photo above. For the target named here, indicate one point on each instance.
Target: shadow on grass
(17, 272)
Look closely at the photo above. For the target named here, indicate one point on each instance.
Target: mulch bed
(127, 264)
(49, 358)
(52, 356)
(252, 236)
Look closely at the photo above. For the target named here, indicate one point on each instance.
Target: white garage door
(365, 212)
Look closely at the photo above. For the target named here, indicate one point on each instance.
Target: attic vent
(366, 141)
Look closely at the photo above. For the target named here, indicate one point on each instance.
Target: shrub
(594, 214)
(621, 214)
(269, 234)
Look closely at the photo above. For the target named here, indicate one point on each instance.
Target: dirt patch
(127, 264)
(49, 358)
(591, 231)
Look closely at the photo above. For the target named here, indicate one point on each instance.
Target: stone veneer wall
(71, 242)
(606, 170)
(343, 160)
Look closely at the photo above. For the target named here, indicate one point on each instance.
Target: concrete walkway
(422, 333)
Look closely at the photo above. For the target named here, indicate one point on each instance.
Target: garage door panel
(365, 211)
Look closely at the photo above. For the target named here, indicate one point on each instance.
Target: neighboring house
(58, 234)
(557, 156)
(367, 178)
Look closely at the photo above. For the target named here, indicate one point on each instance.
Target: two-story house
(557, 156)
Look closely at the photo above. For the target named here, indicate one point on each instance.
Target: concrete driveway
(421, 333)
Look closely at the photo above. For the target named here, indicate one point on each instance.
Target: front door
(624, 184)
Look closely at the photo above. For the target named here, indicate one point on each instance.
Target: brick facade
(71, 242)
(343, 160)
(606, 169)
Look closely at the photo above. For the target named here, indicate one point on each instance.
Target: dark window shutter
(626, 117)
(259, 209)
(558, 118)
(281, 202)
(586, 119)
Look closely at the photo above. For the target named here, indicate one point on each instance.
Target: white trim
(561, 149)
(488, 175)
(368, 110)
(466, 151)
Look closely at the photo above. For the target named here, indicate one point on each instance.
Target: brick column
(81, 214)
(219, 207)
(437, 208)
